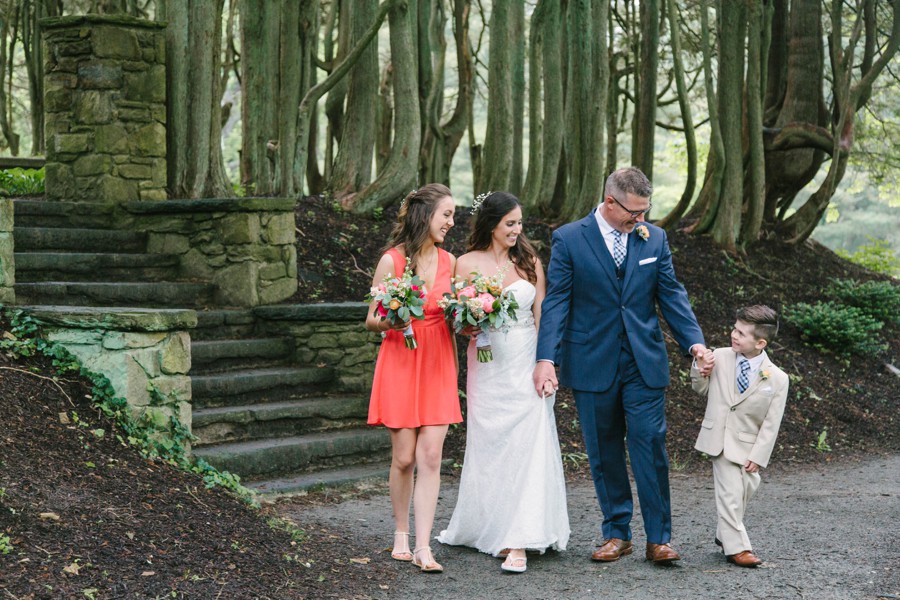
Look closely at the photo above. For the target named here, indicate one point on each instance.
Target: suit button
(733, 408)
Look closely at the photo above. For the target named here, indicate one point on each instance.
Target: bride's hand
(548, 389)
(470, 330)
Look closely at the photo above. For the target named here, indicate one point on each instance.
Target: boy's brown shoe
(744, 559)
(612, 549)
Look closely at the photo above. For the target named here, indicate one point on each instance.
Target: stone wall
(245, 246)
(104, 108)
(7, 263)
(329, 334)
(145, 354)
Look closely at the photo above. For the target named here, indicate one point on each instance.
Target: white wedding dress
(512, 492)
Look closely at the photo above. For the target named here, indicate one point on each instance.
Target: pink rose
(468, 292)
(414, 288)
(487, 302)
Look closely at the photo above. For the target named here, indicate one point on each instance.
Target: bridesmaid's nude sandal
(403, 555)
(427, 566)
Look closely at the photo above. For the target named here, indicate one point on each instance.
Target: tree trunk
(7, 31)
(645, 107)
(353, 165)
(193, 47)
(732, 33)
(304, 151)
(498, 138)
(755, 192)
(553, 107)
(399, 173)
(578, 100)
(690, 139)
(517, 38)
(31, 13)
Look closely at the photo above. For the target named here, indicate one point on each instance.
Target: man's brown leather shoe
(744, 559)
(661, 554)
(611, 550)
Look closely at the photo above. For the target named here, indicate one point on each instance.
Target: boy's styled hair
(763, 319)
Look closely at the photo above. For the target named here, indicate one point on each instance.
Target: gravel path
(824, 531)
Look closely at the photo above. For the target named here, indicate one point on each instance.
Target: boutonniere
(642, 232)
(763, 375)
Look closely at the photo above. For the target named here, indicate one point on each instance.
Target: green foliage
(877, 256)
(21, 182)
(830, 326)
(821, 443)
(877, 299)
(5, 544)
(167, 441)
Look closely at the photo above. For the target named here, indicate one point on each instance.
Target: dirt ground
(824, 532)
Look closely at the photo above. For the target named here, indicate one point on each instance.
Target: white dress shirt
(607, 231)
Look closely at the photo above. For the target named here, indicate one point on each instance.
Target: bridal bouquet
(399, 299)
(480, 303)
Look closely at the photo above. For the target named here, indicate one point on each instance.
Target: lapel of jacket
(634, 254)
(591, 232)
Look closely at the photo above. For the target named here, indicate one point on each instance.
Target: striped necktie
(618, 248)
(743, 377)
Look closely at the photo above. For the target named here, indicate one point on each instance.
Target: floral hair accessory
(643, 232)
(479, 200)
(403, 201)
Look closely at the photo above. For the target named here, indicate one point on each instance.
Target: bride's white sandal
(403, 555)
(427, 566)
(515, 565)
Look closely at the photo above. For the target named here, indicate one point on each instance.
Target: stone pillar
(7, 264)
(105, 108)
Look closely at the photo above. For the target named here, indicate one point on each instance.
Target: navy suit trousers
(628, 406)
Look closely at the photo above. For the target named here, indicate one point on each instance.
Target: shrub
(876, 256)
(878, 299)
(830, 326)
(21, 182)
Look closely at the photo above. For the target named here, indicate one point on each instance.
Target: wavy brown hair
(496, 206)
(414, 218)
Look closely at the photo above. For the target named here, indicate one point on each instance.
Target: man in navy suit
(608, 274)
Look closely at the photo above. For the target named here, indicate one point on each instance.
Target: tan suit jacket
(743, 426)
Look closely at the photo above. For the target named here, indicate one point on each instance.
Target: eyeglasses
(633, 213)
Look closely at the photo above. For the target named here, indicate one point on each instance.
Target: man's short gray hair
(628, 180)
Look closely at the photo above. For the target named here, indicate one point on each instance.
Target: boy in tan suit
(746, 394)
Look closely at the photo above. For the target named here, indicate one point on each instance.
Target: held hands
(751, 467)
(706, 360)
(544, 378)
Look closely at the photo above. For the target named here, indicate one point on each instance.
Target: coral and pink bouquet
(400, 299)
(480, 302)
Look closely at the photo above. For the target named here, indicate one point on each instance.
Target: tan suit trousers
(734, 488)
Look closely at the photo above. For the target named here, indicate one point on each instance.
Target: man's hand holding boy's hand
(751, 467)
(706, 360)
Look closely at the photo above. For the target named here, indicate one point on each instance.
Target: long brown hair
(496, 206)
(414, 219)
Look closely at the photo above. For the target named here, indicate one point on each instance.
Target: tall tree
(645, 92)
(353, 165)
(9, 16)
(193, 47)
(496, 160)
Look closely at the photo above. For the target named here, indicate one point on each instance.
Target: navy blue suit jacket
(589, 308)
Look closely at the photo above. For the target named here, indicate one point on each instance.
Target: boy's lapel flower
(764, 374)
(642, 232)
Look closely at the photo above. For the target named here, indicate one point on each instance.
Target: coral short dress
(418, 387)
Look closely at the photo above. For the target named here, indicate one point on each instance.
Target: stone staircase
(256, 412)
(275, 423)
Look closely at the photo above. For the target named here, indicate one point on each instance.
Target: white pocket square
(647, 261)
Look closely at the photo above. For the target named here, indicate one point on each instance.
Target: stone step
(80, 240)
(257, 386)
(50, 213)
(277, 419)
(292, 456)
(209, 356)
(150, 295)
(375, 472)
(93, 266)
(223, 324)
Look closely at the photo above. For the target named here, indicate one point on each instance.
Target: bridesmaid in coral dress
(414, 392)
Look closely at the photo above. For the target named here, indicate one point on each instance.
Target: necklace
(430, 262)
(498, 262)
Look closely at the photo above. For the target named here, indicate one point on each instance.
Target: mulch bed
(125, 527)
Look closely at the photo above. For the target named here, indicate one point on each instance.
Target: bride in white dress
(512, 494)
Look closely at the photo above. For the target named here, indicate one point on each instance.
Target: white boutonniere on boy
(763, 375)
(642, 232)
